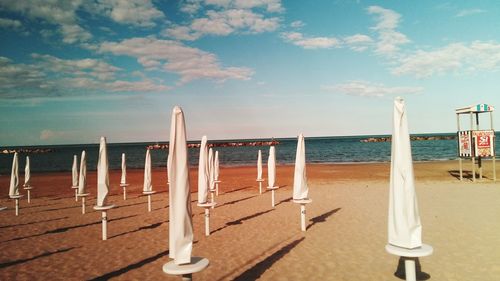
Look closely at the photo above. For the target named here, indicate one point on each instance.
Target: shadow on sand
(30, 223)
(257, 270)
(238, 189)
(151, 226)
(64, 229)
(284, 201)
(236, 201)
(401, 273)
(10, 263)
(241, 220)
(322, 218)
(465, 174)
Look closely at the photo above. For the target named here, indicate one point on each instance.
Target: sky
(74, 70)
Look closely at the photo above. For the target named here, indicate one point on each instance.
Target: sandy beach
(345, 239)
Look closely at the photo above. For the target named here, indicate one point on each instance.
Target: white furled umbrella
(271, 173)
(74, 176)
(300, 187)
(103, 186)
(148, 186)
(14, 182)
(123, 179)
(211, 170)
(216, 172)
(82, 180)
(203, 172)
(27, 173)
(27, 178)
(180, 213)
(404, 227)
(259, 171)
(14, 177)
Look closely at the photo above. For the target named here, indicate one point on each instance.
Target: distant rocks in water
(412, 138)
(220, 144)
(27, 150)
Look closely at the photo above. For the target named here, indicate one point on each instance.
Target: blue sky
(71, 71)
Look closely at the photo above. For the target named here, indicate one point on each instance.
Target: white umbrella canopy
(203, 172)
(271, 167)
(27, 172)
(74, 171)
(14, 177)
(123, 179)
(404, 227)
(211, 169)
(300, 188)
(148, 186)
(82, 180)
(216, 166)
(102, 174)
(180, 213)
(259, 165)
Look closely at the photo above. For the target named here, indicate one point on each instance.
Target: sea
(349, 149)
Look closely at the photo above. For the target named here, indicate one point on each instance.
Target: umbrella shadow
(130, 267)
(37, 206)
(11, 263)
(236, 201)
(401, 273)
(322, 218)
(64, 229)
(241, 220)
(238, 189)
(257, 270)
(64, 208)
(465, 174)
(151, 226)
(30, 223)
(283, 201)
(138, 203)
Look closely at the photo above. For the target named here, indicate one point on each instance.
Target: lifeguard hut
(476, 143)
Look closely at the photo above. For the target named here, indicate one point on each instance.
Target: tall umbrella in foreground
(74, 176)
(103, 186)
(271, 173)
(180, 214)
(123, 180)
(204, 183)
(82, 180)
(300, 188)
(211, 175)
(148, 185)
(404, 227)
(14, 182)
(259, 171)
(27, 178)
(216, 172)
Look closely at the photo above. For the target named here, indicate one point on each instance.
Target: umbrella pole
(303, 217)
(149, 202)
(272, 198)
(83, 205)
(260, 187)
(213, 199)
(207, 224)
(17, 206)
(104, 225)
(187, 277)
(410, 270)
(76, 195)
(124, 193)
(29, 196)
(217, 188)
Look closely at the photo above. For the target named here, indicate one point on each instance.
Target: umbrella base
(302, 201)
(410, 270)
(148, 192)
(197, 264)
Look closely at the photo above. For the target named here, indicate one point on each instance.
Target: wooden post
(493, 160)
(459, 156)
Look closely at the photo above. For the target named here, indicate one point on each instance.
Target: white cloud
(358, 42)
(190, 63)
(298, 39)
(223, 23)
(297, 24)
(272, 6)
(456, 57)
(469, 12)
(9, 23)
(135, 12)
(191, 6)
(368, 89)
(389, 39)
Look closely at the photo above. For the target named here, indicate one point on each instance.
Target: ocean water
(318, 150)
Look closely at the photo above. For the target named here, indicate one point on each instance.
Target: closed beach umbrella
(216, 166)
(102, 174)
(181, 224)
(27, 172)
(203, 172)
(300, 188)
(211, 169)
(271, 167)
(82, 180)
(123, 179)
(259, 165)
(147, 173)
(74, 171)
(14, 177)
(404, 227)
